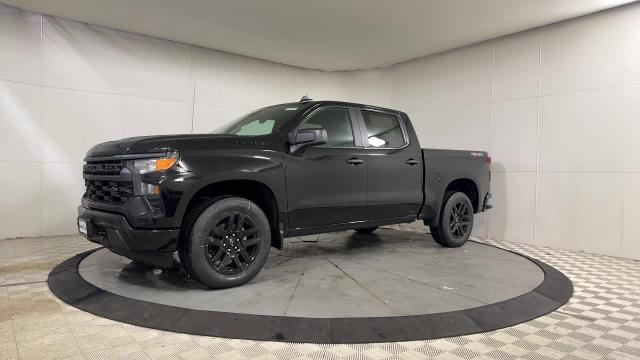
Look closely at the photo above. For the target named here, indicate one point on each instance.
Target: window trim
(353, 119)
(365, 134)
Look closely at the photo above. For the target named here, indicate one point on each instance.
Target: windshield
(261, 122)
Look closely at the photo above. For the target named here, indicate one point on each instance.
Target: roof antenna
(305, 99)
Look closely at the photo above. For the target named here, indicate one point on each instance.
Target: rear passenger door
(394, 166)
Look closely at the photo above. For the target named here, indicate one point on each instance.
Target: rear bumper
(113, 231)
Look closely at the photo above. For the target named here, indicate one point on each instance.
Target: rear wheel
(456, 220)
(367, 230)
(228, 242)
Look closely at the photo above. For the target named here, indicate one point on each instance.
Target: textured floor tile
(8, 353)
(168, 344)
(104, 338)
(51, 347)
(131, 351)
(8, 349)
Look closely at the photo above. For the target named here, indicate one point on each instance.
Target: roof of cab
(350, 104)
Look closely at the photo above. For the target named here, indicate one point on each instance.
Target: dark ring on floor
(66, 283)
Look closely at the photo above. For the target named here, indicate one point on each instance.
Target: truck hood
(159, 144)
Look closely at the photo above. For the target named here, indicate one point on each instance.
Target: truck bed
(442, 167)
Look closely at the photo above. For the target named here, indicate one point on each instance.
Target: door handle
(355, 161)
(412, 162)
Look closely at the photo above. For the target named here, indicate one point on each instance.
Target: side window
(383, 130)
(336, 122)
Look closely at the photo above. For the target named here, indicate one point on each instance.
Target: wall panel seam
(193, 106)
(40, 132)
(537, 179)
(493, 68)
(20, 82)
(623, 85)
(193, 82)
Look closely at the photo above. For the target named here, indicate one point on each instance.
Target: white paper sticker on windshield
(289, 109)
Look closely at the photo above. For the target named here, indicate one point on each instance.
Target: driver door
(327, 184)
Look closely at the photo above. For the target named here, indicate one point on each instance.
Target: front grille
(108, 167)
(106, 191)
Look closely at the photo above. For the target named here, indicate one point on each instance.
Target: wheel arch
(466, 186)
(256, 191)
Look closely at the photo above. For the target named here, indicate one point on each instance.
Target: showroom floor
(334, 288)
(602, 320)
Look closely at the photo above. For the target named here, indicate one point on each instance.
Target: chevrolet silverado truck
(220, 201)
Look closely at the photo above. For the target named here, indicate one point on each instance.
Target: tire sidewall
(197, 251)
(444, 219)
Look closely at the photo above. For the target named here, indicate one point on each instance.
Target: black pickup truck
(222, 200)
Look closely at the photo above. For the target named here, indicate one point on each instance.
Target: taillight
(489, 166)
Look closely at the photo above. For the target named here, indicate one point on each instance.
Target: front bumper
(113, 231)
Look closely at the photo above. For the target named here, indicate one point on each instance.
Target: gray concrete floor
(388, 273)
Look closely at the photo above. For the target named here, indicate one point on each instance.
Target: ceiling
(322, 34)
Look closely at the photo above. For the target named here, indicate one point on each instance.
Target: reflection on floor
(601, 321)
(388, 273)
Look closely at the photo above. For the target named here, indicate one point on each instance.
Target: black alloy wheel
(456, 220)
(227, 242)
(233, 243)
(459, 219)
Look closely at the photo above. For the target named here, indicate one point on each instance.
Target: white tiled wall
(457, 78)
(592, 130)
(76, 56)
(66, 86)
(558, 108)
(20, 211)
(20, 58)
(61, 187)
(20, 121)
(593, 52)
(516, 60)
(514, 153)
(463, 127)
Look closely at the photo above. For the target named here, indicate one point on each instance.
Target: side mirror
(307, 137)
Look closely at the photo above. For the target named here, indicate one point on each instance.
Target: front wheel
(456, 220)
(228, 243)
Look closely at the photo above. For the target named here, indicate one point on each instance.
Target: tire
(435, 234)
(456, 220)
(185, 231)
(367, 230)
(227, 242)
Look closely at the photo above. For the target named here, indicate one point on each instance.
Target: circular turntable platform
(332, 288)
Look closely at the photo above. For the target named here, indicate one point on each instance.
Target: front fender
(265, 167)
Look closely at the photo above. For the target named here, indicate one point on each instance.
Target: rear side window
(336, 122)
(383, 130)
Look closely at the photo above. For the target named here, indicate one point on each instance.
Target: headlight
(151, 165)
(144, 166)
